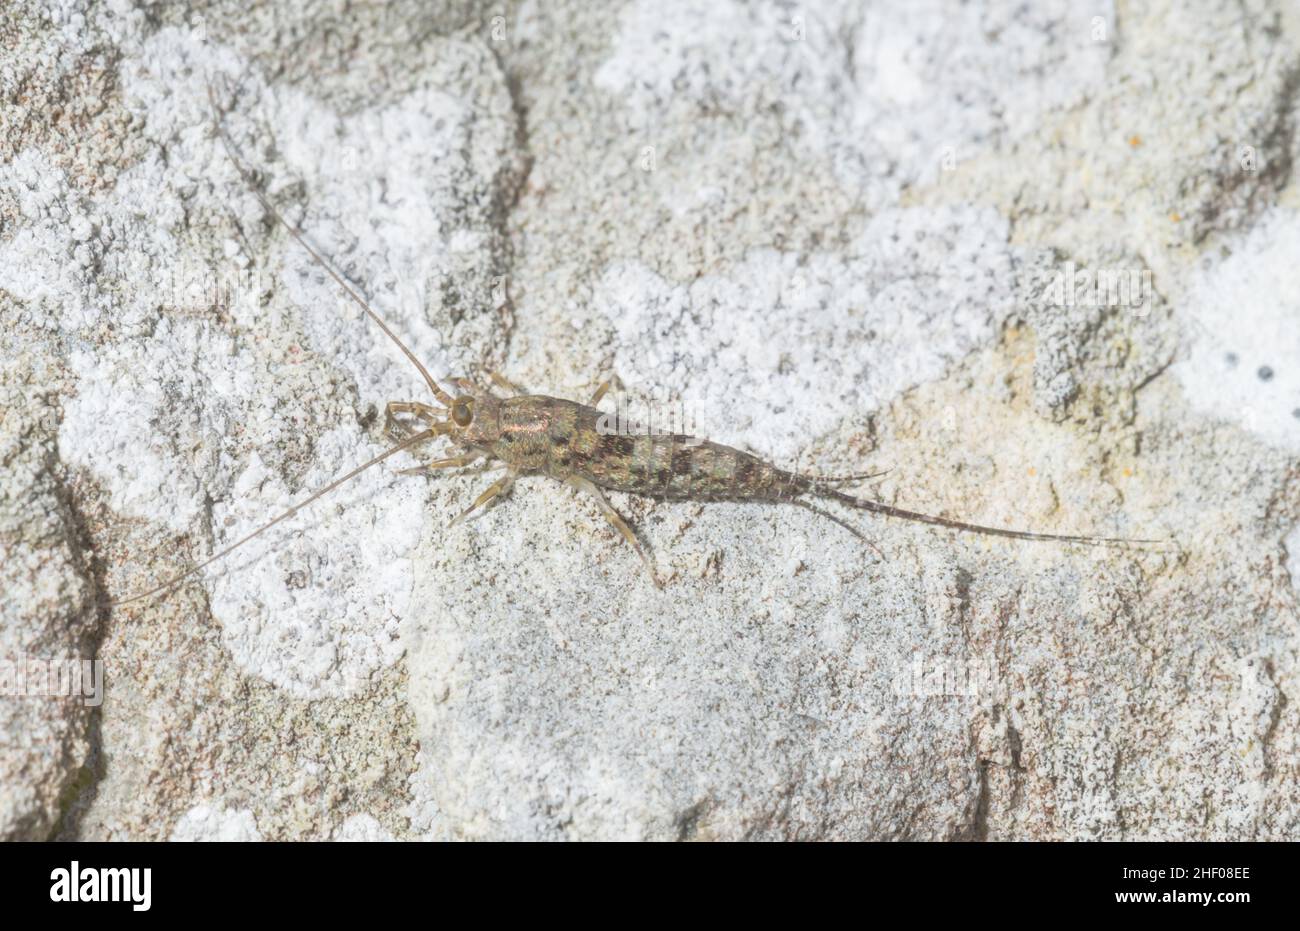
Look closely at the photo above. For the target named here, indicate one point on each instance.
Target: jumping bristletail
(569, 441)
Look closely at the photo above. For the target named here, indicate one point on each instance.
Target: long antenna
(409, 441)
(247, 175)
(442, 395)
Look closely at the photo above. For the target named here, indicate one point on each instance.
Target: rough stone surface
(47, 622)
(1036, 260)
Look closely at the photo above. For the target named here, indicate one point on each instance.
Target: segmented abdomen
(587, 443)
(690, 468)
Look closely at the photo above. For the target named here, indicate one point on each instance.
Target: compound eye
(462, 411)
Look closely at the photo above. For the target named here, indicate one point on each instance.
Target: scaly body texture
(581, 445)
(578, 444)
(565, 439)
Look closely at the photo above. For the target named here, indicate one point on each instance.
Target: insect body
(566, 440)
(569, 441)
(572, 442)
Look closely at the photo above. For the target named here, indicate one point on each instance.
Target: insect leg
(422, 411)
(426, 412)
(616, 519)
(452, 463)
(503, 383)
(500, 486)
(600, 392)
